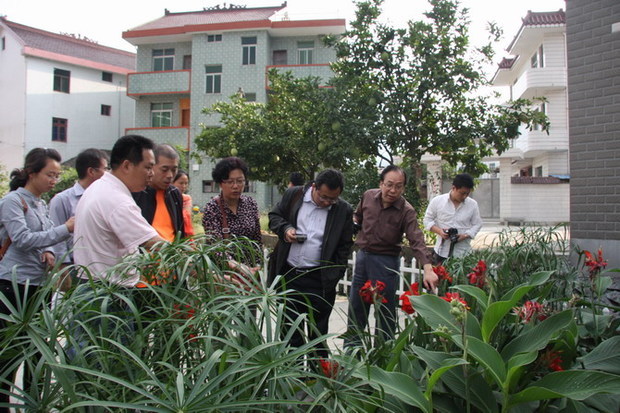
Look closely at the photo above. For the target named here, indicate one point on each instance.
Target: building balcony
(175, 135)
(323, 71)
(537, 82)
(534, 143)
(158, 83)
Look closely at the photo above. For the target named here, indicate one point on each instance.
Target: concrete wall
(593, 43)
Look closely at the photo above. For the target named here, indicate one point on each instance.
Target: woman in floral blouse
(232, 214)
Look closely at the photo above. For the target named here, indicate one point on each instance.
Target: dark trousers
(310, 296)
(374, 267)
(7, 371)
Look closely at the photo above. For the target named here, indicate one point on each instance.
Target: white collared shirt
(465, 218)
(311, 221)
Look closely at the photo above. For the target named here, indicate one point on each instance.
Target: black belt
(299, 270)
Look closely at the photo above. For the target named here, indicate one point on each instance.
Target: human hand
(430, 279)
(290, 235)
(48, 259)
(70, 224)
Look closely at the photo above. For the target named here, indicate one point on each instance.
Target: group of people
(135, 199)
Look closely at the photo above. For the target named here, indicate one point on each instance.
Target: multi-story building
(59, 91)
(534, 173)
(188, 61)
(593, 43)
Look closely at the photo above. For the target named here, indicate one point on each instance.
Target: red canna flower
(186, 312)
(552, 360)
(330, 368)
(442, 273)
(406, 305)
(531, 309)
(455, 296)
(478, 274)
(596, 264)
(371, 294)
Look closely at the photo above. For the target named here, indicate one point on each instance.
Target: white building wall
(531, 203)
(81, 107)
(12, 102)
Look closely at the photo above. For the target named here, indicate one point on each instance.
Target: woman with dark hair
(231, 213)
(181, 181)
(29, 235)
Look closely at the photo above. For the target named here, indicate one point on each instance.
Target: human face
(325, 197)
(98, 172)
(182, 183)
(459, 195)
(164, 172)
(140, 175)
(233, 186)
(392, 187)
(44, 180)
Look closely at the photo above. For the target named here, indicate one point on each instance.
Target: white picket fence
(409, 273)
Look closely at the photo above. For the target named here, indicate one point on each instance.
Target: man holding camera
(455, 218)
(315, 230)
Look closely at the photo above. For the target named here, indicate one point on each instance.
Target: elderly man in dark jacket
(315, 229)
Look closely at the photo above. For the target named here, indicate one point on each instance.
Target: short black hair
(88, 158)
(296, 178)
(463, 180)
(166, 151)
(222, 168)
(391, 168)
(130, 148)
(35, 161)
(330, 177)
(179, 174)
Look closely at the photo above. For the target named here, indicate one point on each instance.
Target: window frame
(106, 110)
(158, 110)
(60, 128)
(62, 80)
(106, 75)
(213, 79)
(305, 52)
(163, 59)
(248, 50)
(214, 38)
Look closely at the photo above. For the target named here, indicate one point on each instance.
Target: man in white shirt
(108, 223)
(453, 211)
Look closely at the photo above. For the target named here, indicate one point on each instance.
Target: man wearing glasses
(90, 165)
(383, 216)
(315, 230)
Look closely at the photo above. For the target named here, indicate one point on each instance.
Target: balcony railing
(175, 135)
(535, 82)
(158, 83)
(322, 71)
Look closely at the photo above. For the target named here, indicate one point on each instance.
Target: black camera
(453, 234)
(356, 228)
(301, 237)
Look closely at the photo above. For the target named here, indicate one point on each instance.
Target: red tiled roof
(507, 62)
(544, 18)
(44, 43)
(206, 17)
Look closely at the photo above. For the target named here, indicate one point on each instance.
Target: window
(163, 59)
(3, 42)
(187, 62)
(306, 50)
(61, 80)
(106, 110)
(538, 171)
(106, 76)
(214, 38)
(538, 59)
(543, 109)
(249, 50)
(209, 187)
(161, 115)
(214, 79)
(59, 130)
(250, 97)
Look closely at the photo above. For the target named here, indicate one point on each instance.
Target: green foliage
(4, 181)
(68, 177)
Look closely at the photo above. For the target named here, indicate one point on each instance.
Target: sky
(105, 21)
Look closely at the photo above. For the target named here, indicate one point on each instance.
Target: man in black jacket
(315, 229)
(161, 202)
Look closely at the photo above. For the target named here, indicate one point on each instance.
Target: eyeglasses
(233, 182)
(392, 185)
(327, 199)
(53, 176)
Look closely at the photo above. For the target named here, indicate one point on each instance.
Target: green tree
(294, 131)
(416, 90)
